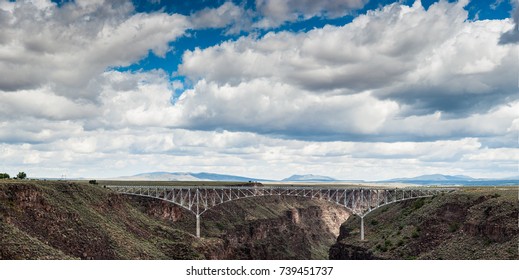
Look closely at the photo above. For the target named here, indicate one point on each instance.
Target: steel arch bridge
(359, 201)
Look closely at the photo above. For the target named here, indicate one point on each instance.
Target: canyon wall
(65, 220)
(468, 224)
(260, 227)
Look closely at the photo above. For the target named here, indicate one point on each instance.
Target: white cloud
(497, 122)
(270, 14)
(123, 151)
(276, 12)
(228, 15)
(375, 50)
(68, 47)
(136, 100)
(28, 129)
(42, 103)
(382, 73)
(268, 107)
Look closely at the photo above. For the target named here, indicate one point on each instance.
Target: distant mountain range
(432, 179)
(309, 178)
(187, 176)
(440, 179)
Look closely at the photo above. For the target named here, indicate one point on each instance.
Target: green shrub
(21, 175)
(418, 204)
(381, 248)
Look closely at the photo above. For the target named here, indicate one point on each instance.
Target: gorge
(72, 220)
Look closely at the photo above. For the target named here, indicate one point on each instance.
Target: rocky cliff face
(160, 209)
(36, 213)
(299, 233)
(261, 228)
(471, 224)
(60, 220)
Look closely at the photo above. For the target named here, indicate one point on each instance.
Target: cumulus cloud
(32, 130)
(42, 103)
(512, 36)
(276, 12)
(135, 100)
(389, 66)
(270, 14)
(123, 151)
(498, 122)
(230, 16)
(67, 47)
(274, 108)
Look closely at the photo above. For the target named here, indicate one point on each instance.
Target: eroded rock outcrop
(263, 227)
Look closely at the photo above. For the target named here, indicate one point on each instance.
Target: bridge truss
(359, 201)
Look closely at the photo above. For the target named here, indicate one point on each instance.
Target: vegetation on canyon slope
(472, 223)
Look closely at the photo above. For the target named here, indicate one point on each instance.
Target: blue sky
(353, 89)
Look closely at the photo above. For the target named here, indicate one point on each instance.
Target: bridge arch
(199, 199)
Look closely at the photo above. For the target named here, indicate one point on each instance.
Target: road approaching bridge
(359, 201)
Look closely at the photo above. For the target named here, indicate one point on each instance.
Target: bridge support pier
(198, 226)
(362, 228)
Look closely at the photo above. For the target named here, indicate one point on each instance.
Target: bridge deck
(358, 200)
